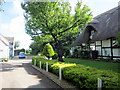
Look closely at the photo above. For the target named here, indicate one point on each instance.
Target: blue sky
(12, 21)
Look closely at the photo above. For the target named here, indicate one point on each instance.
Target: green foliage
(38, 44)
(17, 44)
(54, 20)
(1, 2)
(22, 50)
(66, 51)
(118, 40)
(35, 47)
(55, 56)
(80, 75)
(28, 52)
(42, 39)
(17, 51)
(48, 51)
(96, 64)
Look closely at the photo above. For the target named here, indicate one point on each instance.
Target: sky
(12, 22)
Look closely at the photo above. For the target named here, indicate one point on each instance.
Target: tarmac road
(20, 74)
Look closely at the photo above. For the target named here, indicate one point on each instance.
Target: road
(20, 74)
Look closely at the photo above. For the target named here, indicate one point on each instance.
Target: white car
(22, 55)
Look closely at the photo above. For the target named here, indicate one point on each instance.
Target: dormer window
(92, 33)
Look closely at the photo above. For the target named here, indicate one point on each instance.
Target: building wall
(4, 50)
(11, 46)
(92, 46)
(106, 50)
(116, 52)
(105, 46)
(98, 47)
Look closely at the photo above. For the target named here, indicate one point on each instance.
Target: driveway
(20, 74)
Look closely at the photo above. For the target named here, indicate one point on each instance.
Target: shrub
(48, 51)
(55, 56)
(80, 75)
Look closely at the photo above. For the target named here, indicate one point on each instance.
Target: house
(101, 33)
(11, 46)
(6, 46)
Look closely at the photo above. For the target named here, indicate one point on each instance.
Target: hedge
(80, 75)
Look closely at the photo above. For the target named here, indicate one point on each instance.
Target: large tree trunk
(60, 51)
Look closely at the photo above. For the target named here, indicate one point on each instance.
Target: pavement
(20, 74)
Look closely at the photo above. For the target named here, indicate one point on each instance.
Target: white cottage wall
(4, 50)
(106, 43)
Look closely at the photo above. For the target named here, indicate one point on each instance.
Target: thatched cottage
(101, 34)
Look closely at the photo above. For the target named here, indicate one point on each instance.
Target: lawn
(82, 76)
(115, 67)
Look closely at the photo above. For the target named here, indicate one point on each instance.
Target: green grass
(82, 75)
(115, 67)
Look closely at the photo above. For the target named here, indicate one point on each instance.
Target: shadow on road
(45, 82)
(8, 67)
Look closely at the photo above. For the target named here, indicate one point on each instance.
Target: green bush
(48, 51)
(80, 75)
(55, 56)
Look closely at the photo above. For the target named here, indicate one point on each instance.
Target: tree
(1, 1)
(22, 50)
(36, 48)
(48, 51)
(17, 44)
(39, 43)
(55, 19)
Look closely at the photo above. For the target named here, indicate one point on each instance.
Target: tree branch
(74, 25)
(46, 21)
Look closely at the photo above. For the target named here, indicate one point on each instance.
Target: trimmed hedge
(80, 75)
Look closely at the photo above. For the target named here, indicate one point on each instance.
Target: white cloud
(100, 6)
(16, 27)
(24, 41)
(17, 7)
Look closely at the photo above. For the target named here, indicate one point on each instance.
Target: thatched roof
(106, 25)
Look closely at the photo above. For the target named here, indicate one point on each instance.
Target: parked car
(22, 55)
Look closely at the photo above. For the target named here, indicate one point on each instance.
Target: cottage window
(92, 33)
